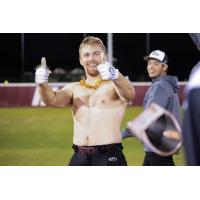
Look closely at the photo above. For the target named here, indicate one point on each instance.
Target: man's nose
(149, 66)
(90, 58)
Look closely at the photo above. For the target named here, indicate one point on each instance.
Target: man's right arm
(59, 98)
(126, 133)
(157, 95)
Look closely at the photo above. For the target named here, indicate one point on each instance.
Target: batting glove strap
(108, 72)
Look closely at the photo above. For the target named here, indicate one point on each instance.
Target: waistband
(97, 149)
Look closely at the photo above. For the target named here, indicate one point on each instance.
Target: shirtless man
(98, 106)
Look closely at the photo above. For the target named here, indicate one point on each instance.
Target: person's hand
(107, 71)
(42, 73)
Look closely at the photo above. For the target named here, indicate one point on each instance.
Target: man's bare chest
(103, 97)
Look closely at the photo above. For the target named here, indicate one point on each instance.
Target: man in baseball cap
(164, 92)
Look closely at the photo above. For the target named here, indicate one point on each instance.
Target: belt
(98, 149)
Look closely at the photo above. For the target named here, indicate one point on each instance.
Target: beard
(92, 72)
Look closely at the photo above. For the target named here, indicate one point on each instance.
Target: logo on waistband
(112, 159)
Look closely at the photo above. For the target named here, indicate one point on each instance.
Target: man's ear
(165, 68)
(80, 61)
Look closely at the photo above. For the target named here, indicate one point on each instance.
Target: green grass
(43, 137)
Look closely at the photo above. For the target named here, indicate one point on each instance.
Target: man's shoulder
(160, 86)
(194, 81)
(164, 83)
(71, 86)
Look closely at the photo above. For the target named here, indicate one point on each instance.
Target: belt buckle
(91, 150)
(87, 150)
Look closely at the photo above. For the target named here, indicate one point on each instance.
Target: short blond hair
(90, 40)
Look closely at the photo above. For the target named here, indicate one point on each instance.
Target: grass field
(43, 137)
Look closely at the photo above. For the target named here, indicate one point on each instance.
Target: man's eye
(97, 53)
(86, 55)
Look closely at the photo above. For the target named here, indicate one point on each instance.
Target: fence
(26, 94)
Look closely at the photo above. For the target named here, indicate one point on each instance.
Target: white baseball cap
(157, 55)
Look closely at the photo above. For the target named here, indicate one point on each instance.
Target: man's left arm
(123, 86)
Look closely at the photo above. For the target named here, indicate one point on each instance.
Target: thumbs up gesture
(42, 72)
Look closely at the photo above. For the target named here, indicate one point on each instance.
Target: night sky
(61, 50)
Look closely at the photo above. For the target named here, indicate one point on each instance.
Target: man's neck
(92, 79)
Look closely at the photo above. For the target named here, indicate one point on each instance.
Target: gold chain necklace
(94, 86)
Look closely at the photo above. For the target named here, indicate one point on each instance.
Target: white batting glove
(42, 73)
(107, 71)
